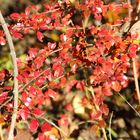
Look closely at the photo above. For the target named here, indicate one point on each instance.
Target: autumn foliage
(82, 56)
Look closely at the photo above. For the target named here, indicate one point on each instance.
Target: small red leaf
(74, 68)
(116, 86)
(41, 136)
(33, 52)
(63, 82)
(107, 91)
(58, 72)
(46, 127)
(2, 75)
(96, 115)
(15, 16)
(3, 96)
(24, 113)
(40, 36)
(38, 112)
(101, 123)
(69, 107)
(104, 109)
(33, 125)
(51, 93)
(17, 35)
(132, 50)
(33, 90)
(20, 78)
(2, 41)
(51, 46)
(28, 10)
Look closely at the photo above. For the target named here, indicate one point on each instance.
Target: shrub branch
(136, 79)
(15, 69)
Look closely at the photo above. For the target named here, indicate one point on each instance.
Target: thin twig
(53, 124)
(15, 69)
(44, 118)
(136, 79)
(104, 133)
(129, 10)
(6, 102)
(88, 121)
(46, 84)
(31, 81)
(97, 108)
(1, 133)
(110, 121)
(129, 104)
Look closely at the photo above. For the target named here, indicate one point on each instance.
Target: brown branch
(128, 103)
(6, 102)
(136, 79)
(15, 69)
(110, 121)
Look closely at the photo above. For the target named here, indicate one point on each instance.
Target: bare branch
(136, 79)
(15, 69)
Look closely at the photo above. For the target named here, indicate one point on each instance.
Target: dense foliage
(82, 58)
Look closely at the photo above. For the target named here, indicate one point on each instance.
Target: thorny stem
(136, 79)
(15, 69)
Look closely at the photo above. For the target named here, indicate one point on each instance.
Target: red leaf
(58, 69)
(51, 93)
(24, 113)
(46, 127)
(15, 16)
(116, 86)
(101, 123)
(80, 85)
(33, 52)
(107, 91)
(51, 46)
(63, 82)
(69, 107)
(39, 62)
(96, 115)
(20, 78)
(17, 34)
(2, 41)
(41, 136)
(33, 125)
(104, 109)
(33, 90)
(126, 5)
(28, 10)
(55, 66)
(132, 50)
(74, 68)
(3, 96)
(38, 112)
(63, 121)
(24, 96)
(58, 72)
(40, 36)
(2, 75)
